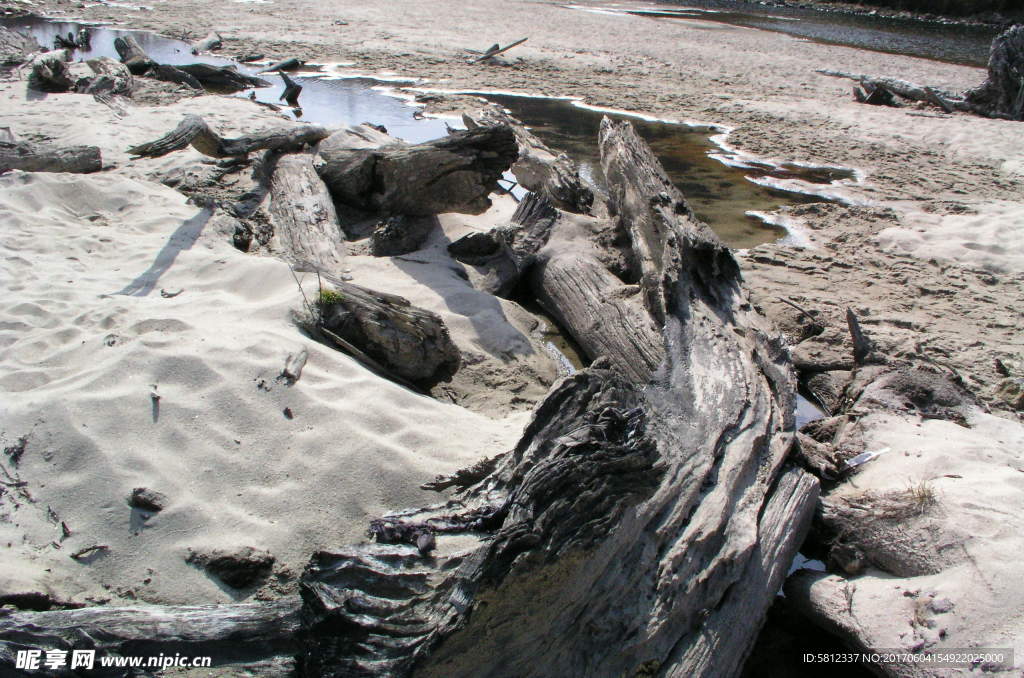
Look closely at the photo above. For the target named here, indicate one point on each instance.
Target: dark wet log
(223, 78)
(174, 74)
(227, 633)
(453, 174)
(405, 340)
(50, 72)
(1003, 89)
(47, 158)
(132, 55)
(193, 130)
(15, 47)
(291, 64)
(305, 223)
(210, 42)
(634, 529)
(291, 91)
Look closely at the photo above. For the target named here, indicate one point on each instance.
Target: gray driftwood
(537, 167)
(132, 55)
(635, 530)
(399, 339)
(210, 42)
(1000, 96)
(15, 47)
(193, 131)
(243, 632)
(1003, 89)
(305, 222)
(47, 158)
(453, 174)
(50, 72)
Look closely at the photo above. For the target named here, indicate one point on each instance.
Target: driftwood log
(174, 74)
(193, 131)
(222, 78)
(305, 222)
(132, 55)
(240, 633)
(399, 339)
(15, 47)
(1000, 96)
(50, 72)
(453, 174)
(635, 529)
(46, 158)
(210, 42)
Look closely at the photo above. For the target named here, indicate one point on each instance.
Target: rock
(940, 605)
(239, 568)
(147, 500)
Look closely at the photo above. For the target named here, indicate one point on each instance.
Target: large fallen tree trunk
(634, 529)
(453, 174)
(193, 131)
(245, 632)
(305, 222)
(45, 158)
(1003, 89)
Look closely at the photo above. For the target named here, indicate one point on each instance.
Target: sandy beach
(142, 350)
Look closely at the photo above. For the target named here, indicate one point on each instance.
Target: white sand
(86, 333)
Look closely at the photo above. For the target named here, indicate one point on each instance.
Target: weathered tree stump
(222, 78)
(1003, 89)
(50, 72)
(210, 42)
